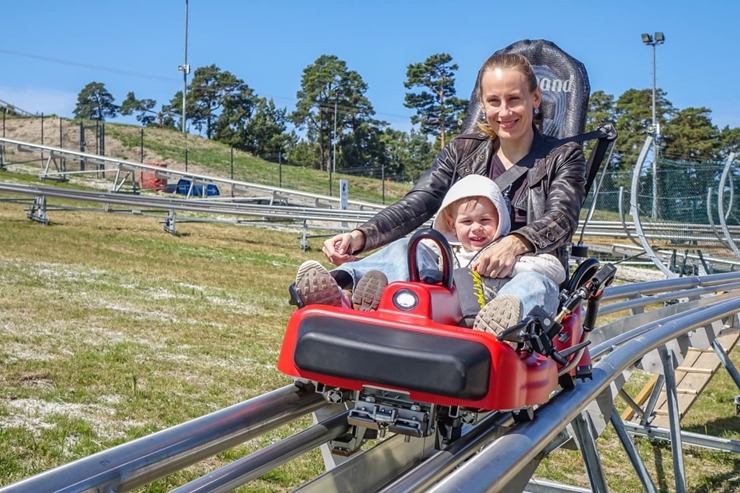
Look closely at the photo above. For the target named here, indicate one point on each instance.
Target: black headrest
(564, 85)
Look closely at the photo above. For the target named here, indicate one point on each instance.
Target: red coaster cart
(409, 367)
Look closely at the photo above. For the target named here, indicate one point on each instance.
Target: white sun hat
(474, 186)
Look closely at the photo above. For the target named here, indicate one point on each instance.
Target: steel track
(218, 210)
(493, 455)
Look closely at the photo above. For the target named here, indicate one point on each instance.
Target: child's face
(474, 223)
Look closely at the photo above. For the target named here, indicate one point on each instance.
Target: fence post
(82, 144)
(2, 148)
(101, 139)
(382, 180)
(42, 138)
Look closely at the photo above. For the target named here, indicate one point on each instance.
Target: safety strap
(506, 181)
(511, 176)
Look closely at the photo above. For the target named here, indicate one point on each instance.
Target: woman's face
(508, 103)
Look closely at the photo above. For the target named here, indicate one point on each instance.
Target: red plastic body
(515, 379)
(573, 332)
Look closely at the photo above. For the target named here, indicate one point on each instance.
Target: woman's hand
(340, 248)
(498, 260)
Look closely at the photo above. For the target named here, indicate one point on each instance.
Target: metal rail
(635, 211)
(137, 463)
(499, 465)
(706, 234)
(208, 206)
(219, 204)
(721, 205)
(124, 166)
(14, 109)
(214, 210)
(507, 456)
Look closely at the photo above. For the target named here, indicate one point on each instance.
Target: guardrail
(242, 208)
(124, 166)
(14, 109)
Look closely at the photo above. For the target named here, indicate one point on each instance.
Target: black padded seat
(385, 356)
(564, 84)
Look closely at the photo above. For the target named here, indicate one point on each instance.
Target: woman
(545, 202)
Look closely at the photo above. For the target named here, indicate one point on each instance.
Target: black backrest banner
(564, 84)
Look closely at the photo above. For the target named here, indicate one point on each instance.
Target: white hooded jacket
(481, 186)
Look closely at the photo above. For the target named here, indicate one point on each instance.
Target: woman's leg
(392, 260)
(315, 285)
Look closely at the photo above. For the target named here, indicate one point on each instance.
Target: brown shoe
(369, 289)
(315, 286)
(500, 313)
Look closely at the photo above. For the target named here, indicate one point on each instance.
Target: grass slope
(112, 329)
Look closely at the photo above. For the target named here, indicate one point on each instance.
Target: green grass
(216, 159)
(112, 330)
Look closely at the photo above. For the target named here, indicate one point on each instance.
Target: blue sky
(52, 48)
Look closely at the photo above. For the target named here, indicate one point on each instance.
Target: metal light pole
(185, 69)
(655, 128)
(334, 143)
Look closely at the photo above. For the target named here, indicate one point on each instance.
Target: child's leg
(392, 260)
(474, 291)
(514, 301)
(533, 289)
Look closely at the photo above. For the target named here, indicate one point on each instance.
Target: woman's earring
(536, 112)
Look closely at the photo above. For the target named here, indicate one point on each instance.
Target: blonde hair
(506, 61)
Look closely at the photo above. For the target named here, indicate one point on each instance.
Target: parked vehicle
(186, 187)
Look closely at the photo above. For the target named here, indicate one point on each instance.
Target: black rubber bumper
(405, 359)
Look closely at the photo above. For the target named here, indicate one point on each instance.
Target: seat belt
(508, 178)
(511, 176)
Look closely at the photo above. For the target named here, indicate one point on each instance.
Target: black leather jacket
(553, 199)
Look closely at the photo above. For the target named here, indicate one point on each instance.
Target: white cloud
(40, 100)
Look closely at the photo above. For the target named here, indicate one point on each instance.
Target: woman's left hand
(498, 260)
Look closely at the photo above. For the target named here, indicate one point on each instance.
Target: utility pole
(185, 69)
(655, 130)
